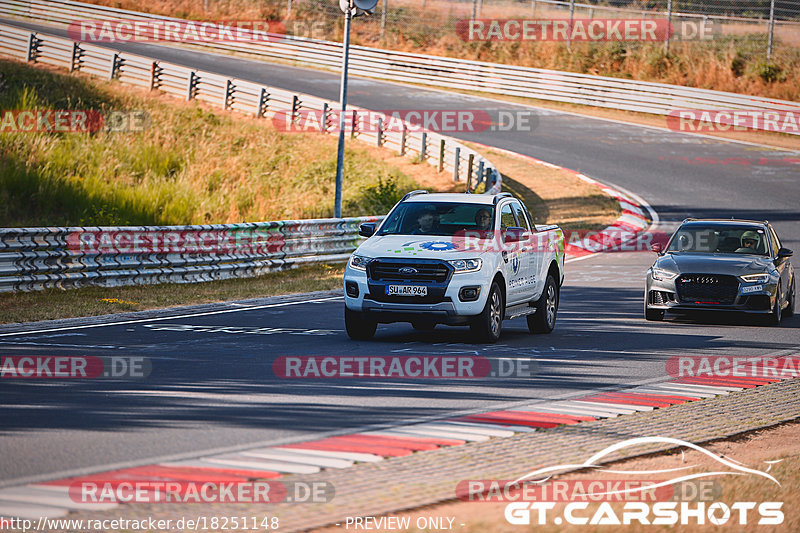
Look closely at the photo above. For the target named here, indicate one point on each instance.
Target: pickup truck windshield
(438, 218)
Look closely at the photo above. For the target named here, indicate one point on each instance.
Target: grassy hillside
(733, 61)
(191, 165)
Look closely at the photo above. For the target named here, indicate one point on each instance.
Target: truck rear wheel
(544, 319)
(488, 325)
(358, 327)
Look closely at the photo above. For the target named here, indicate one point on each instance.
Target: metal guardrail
(493, 78)
(38, 258)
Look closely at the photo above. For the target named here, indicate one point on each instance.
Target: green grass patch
(192, 165)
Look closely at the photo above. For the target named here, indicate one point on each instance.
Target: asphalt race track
(212, 385)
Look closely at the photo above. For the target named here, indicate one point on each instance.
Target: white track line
(172, 317)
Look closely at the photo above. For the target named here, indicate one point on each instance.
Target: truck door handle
(505, 256)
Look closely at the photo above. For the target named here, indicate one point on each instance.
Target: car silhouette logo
(408, 270)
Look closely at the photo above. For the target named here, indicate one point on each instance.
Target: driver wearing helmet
(751, 243)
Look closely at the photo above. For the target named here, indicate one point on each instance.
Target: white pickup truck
(456, 259)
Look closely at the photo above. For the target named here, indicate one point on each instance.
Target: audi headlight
(358, 262)
(663, 275)
(466, 265)
(755, 278)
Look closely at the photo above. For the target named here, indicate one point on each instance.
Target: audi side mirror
(785, 252)
(367, 229)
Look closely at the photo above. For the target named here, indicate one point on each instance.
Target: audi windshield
(718, 239)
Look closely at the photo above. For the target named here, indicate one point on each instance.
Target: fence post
(380, 130)
(75, 55)
(403, 140)
(771, 28)
(480, 174)
(441, 155)
(227, 98)
(29, 55)
(423, 146)
(153, 75)
(571, 17)
(190, 86)
(533, 8)
(383, 19)
(355, 125)
(669, 22)
(262, 99)
(295, 106)
(323, 123)
(470, 161)
(456, 161)
(113, 66)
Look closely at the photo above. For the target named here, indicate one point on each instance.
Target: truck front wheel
(487, 325)
(358, 327)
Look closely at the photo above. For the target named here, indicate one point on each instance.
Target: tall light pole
(351, 8)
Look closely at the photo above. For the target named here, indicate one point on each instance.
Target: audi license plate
(406, 290)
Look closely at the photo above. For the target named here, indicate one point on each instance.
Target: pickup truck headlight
(755, 278)
(663, 275)
(358, 262)
(466, 265)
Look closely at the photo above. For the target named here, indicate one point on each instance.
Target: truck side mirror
(367, 229)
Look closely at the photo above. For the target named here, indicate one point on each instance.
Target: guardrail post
(771, 28)
(470, 162)
(30, 53)
(261, 103)
(480, 173)
(113, 67)
(153, 75)
(456, 161)
(441, 155)
(423, 146)
(403, 140)
(190, 87)
(228, 92)
(669, 21)
(323, 123)
(295, 107)
(355, 125)
(380, 130)
(74, 62)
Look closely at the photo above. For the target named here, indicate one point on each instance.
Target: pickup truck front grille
(433, 271)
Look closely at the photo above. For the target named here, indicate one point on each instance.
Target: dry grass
(194, 165)
(52, 304)
(554, 196)
(733, 62)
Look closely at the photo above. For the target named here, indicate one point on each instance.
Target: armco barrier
(40, 258)
(494, 78)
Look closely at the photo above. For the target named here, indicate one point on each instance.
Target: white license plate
(406, 290)
(752, 288)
